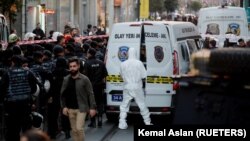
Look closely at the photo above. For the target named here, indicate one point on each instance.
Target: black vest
(37, 70)
(19, 87)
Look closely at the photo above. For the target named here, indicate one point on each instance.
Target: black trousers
(99, 98)
(18, 119)
(65, 123)
(53, 114)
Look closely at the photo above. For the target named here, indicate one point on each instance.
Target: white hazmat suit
(132, 72)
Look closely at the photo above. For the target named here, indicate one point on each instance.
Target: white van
(220, 20)
(185, 39)
(157, 47)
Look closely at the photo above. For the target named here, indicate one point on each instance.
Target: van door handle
(116, 92)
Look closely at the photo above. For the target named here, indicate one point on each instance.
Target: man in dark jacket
(96, 71)
(16, 88)
(39, 32)
(77, 98)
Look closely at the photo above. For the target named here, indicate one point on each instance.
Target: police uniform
(96, 71)
(17, 85)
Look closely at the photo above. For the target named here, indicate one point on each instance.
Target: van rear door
(124, 36)
(159, 85)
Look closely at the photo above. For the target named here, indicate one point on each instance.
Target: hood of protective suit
(132, 54)
(132, 71)
(29, 36)
(55, 35)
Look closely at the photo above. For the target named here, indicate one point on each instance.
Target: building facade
(55, 14)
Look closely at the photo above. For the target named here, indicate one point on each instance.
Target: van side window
(184, 51)
(192, 46)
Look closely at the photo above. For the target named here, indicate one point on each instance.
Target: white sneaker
(123, 125)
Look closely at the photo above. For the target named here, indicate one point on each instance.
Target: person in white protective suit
(132, 72)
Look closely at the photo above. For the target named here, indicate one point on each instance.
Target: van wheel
(112, 117)
(230, 61)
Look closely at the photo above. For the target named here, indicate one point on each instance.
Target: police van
(157, 46)
(185, 40)
(218, 21)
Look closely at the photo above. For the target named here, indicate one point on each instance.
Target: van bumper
(135, 110)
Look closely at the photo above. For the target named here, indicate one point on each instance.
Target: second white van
(222, 20)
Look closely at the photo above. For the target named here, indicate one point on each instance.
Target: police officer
(42, 75)
(16, 88)
(47, 60)
(96, 71)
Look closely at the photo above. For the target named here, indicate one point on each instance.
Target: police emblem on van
(159, 54)
(213, 28)
(123, 53)
(234, 28)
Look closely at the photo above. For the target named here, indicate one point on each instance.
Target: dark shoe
(92, 124)
(99, 119)
(67, 135)
(99, 123)
(53, 137)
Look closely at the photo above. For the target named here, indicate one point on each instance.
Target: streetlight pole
(138, 9)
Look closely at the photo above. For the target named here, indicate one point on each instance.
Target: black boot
(99, 119)
(99, 123)
(67, 135)
(92, 123)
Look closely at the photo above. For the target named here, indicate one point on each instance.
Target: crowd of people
(39, 34)
(211, 42)
(37, 79)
